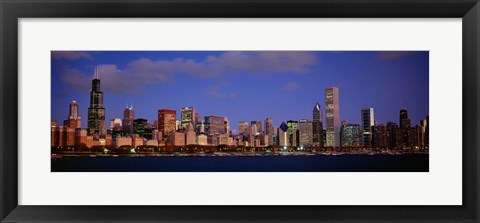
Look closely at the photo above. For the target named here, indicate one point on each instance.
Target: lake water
(302, 163)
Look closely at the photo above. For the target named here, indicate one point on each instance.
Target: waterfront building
(187, 115)
(53, 127)
(90, 141)
(306, 132)
(128, 120)
(202, 140)
(96, 111)
(392, 135)
(332, 113)
(123, 141)
(256, 127)
(215, 125)
(317, 125)
(69, 136)
(351, 135)
(382, 136)
(176, 139)
(108, 140)
(405, 129)
(283, 135)
(142, 128)
(368, 121)
(268, 127)
(80, 137)
(191, 136)
(115, 124)
(74, 121)
(167, 120)
(151, 142)
(137, 141)
(243, 128)
(293, 132)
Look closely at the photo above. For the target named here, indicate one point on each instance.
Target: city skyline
(293, 74)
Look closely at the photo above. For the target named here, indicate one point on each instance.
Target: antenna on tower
(96, 73)
(131, 106)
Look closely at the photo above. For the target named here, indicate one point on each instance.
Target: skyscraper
(351, 135)
(96, 111)
(187, 115)
(368, 121)
(243, 128)
(128, 118)
(405, 125)
(305, 132)
(256, 127)
(332, 113)
(317, 125)
(73, 121)
(167, 121)
(293, 132)
(283, 135)
(268, 127)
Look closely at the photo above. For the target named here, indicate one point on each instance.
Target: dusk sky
(244, 85)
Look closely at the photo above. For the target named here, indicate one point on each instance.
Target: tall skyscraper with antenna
(96, 111)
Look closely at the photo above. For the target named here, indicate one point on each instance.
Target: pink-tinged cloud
(394, 55)
(292, 86)
(114, 80)
(71, 55)
(258, 62)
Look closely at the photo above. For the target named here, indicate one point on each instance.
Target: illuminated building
(80, 137)
(116, 124)
(382, 136)
(268, 127)
(405, 131)
(151, 142)
(351, 135)
(332, 113)
(140, 127)
(317, 125)
(123, 141)
(202, 139)
(243, 128)
(305, 132)
(283, 135)
(215, 125)
(368, 121)
(74, 121)
(167, 120)
(191, 136)
(176, 139)
(293, 132)
(96, 111)
(256, 127)
(128, 119)
(69, 136)
(392, 135)
(187, 115)
(53, 138)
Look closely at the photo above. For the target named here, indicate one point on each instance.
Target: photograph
(239, 111)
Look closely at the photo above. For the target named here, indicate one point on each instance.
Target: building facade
(332, 114)
(96, 111)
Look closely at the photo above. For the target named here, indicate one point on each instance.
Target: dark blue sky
(244, 85)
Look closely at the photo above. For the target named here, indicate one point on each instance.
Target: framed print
(288, 111)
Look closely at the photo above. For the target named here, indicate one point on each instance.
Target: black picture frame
(11, 11)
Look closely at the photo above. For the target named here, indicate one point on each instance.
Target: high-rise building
(392, 141)
(167, 121)
(293, 132)
(368, 121)
(216, 125)
(140, 128)
(96, 111)
(405, 131)
(283, 135)
(116, 124)
(351, 135)
(317, 125)
(332, 113)
(74, 121)
(190, 135)
(256, 127)
(268, 127)
(128, 118)
(243, 128)
(382, 136)
(306, 132)
(187, 115)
